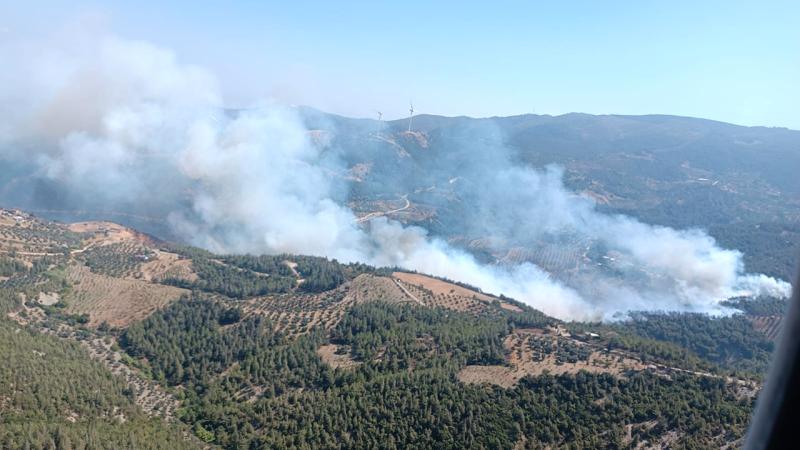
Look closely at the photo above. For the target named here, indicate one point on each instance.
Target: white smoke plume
(125, 122)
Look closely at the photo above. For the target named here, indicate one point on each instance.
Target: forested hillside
(53, 396)
(404, 392)
(102, 350)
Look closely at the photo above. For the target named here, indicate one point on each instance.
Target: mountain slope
(52, 395)
(294, 351)
(740, 183)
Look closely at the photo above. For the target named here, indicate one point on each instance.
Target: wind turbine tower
(380, 121)
(410, 115)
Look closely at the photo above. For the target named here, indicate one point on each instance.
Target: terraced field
(119, 259)
(435, 292)
(295, 314)
(117, 301)
(25, 235)
(769, 325)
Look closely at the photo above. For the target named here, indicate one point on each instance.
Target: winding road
(375, 214)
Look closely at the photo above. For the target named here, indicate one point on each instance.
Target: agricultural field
(297, 314)
(152, 398)
(121, 260)
(116, 301)
(28, 237)
(107, 233)
(769, 325)
(436, 292)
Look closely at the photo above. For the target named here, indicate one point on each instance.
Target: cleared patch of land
(439, 287)
(162, 265)
(118, 301)
(535, 352)
(48, 298)
(108, 233)
(435, 292)
(332, 356)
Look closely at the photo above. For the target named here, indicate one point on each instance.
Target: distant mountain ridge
(738, 182)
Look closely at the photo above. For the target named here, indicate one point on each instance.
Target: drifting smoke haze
(109, 121)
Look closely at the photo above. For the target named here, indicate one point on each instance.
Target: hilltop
(292, 350)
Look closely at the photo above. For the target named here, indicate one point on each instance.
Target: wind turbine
(380, 121)
(410, 115)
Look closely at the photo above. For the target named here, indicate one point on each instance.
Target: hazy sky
(727, 60)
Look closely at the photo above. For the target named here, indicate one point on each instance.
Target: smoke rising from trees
(117, 122)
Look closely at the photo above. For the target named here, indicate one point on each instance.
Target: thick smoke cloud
(116, 122)
(653, 267)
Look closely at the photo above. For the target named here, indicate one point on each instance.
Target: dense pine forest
(55, 397)
(730, 342)
(405, 393)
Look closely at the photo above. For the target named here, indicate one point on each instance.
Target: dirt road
(375, 214)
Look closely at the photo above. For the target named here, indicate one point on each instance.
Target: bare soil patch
(105, 233)
(332, 356)
(48, 298)
(167, 265)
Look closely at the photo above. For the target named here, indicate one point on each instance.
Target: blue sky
(733, 61)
